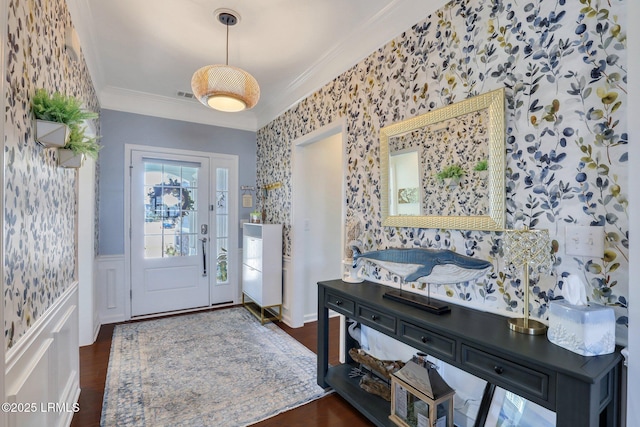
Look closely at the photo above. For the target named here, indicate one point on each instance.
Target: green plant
(451, 171)
(59, 108)
(221, 270)
(482, 165)
(79, 143)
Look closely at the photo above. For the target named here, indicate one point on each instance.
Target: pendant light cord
(227, 25)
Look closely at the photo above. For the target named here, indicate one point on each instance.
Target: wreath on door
(159, 194)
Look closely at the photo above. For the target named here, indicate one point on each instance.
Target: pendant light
(223, 87)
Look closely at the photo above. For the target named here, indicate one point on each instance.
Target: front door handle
(204, 256)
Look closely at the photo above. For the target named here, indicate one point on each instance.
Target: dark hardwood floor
(330, 411)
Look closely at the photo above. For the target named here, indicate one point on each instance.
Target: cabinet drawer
(429, 342)
(339, 304)
(252, 283)
(520, 379)
(373, 317)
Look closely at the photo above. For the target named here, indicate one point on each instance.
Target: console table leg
(323, 339)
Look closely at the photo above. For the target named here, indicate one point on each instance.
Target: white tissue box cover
(589, 330)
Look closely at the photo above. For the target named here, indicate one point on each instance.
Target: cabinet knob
(424, 339)
(374, 317)
(338, 302)
(499, 370)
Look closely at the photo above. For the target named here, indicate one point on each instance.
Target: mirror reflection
(445, 169)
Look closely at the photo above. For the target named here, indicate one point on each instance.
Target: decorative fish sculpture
(436, 266)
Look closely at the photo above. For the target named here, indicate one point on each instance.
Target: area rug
(217, 368)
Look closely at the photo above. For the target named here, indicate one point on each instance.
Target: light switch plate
(585, 241)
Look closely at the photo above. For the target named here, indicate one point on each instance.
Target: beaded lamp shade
(527, 249)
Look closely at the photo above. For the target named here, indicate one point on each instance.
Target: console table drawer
(518, 378)
(430, 342)
(370, 316)
(339, 304)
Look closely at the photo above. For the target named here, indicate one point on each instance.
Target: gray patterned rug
(217, 368)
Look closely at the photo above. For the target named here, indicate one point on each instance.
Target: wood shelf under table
(375, 408)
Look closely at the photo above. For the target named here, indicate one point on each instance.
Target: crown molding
(129, 101)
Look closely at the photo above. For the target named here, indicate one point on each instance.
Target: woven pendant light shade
(225, 88)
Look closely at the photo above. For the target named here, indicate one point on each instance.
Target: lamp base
(527, 326)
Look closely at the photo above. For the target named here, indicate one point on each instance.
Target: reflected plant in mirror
(446, 155)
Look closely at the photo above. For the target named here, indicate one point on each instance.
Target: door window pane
(222, 224)
(170, 191)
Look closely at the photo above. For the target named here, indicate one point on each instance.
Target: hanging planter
(51, 134)
(451, 182)
(56, 118)
(68, 159)
(451, 175)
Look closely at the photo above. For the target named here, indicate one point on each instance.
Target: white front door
(170, 224)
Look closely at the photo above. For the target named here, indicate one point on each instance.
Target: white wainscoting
(287, 289)
(42, 369)
(112, 289)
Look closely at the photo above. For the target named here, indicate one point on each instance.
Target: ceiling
(140, 53)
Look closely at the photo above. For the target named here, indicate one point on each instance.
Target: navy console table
(582, 391)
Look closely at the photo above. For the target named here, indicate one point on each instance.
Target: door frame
(233, 217)
(4, 14)
(295, 293)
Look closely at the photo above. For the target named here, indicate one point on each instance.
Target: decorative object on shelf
(509, 409)
(437, 266)
(374, 372)
(255, 217)
(420, 397)
(430, 266)
(223, 87)
(353, 230)
(527, 249)
(586, 329)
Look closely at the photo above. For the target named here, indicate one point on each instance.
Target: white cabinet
(262, 267)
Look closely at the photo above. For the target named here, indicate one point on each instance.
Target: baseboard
(310, 317)
(43, 367)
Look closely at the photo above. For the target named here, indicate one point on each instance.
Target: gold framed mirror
(464, 141)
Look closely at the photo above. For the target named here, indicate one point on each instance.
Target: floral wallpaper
(40, 197)
(563, 65)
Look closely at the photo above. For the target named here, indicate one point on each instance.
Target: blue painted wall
(119, 128)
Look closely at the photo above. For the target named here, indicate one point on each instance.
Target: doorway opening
(318, 217)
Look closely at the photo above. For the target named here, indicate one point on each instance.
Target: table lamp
(527, 249)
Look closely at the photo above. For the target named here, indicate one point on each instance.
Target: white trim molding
(43, 368)
(287, 290)
(111, 289)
